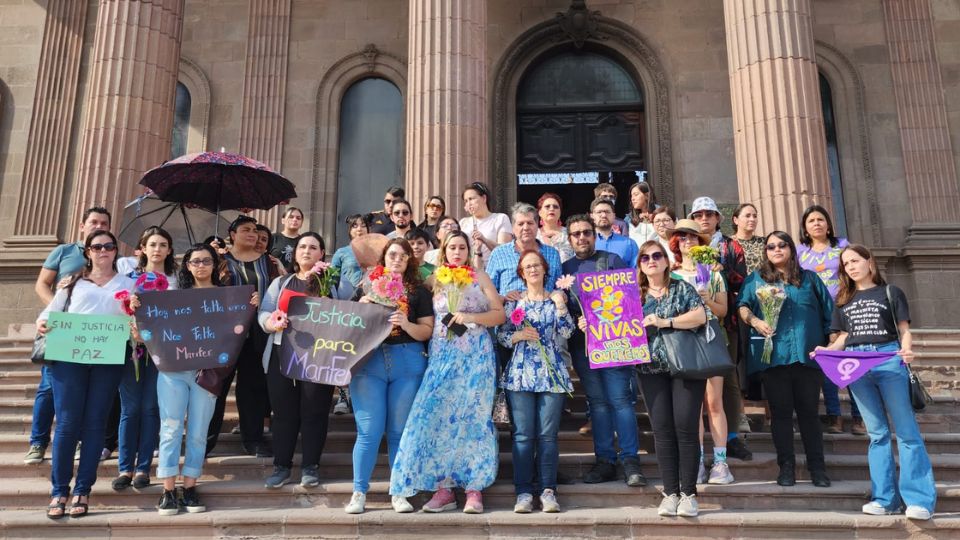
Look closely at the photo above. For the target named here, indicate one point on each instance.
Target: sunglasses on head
(655, 256)
(110, 246)
(778, 245)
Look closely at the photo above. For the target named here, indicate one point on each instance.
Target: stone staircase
(240, 507)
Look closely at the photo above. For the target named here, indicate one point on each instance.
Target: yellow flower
(461, 276)
(444, 275)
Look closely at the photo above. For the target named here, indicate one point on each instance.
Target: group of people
(513, 328)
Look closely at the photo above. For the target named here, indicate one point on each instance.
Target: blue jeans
(182, 401)
(139, 417)
(42, 411)
(885, 390)
(382, 392)
(611, 396)
(831, 400)
(82, 397)
(536, 420)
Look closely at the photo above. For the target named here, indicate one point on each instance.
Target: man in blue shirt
(610, 394)
(502, 265)
(64, 260)
(601, 210)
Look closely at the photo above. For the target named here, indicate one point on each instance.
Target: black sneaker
(260, 449)
(631, 472)
(736, 448)
(141, 481)
(279, 477)
(190, 501)
(168, 504)
(602, 471)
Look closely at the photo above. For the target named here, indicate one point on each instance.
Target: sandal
(83, 507)
(57, 510)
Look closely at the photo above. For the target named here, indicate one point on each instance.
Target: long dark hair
(293, 267)
(848, 287)
(411, 276)
(170, 263)
(805, 236)
(186, 280)
(792, 273)
(739, 210)
(88, 266)
(634, 214)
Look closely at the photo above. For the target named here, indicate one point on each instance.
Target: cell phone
(456, 328)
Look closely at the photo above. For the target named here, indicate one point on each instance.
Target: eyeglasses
(103, 247)
(688, 237)
(662, 221)
(529, 267)
(604, 211)
(201, 262)
(578, 234)
(396, 255)
(701, 215)
(401, 212)
(551, 206)
(655, 256)
(435, 206)
(450, 226)
(778, 245)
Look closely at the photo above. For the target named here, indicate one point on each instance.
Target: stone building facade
(716, 97)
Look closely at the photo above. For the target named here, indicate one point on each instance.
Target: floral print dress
(527, 370)
(449, 439)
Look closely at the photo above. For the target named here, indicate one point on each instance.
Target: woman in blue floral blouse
(535, 380)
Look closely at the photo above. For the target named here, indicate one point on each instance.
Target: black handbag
(919, 397)
(698, 353)
(40, 341)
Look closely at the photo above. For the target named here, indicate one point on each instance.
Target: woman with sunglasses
(83, 393)
(713, 292)
(485, 229)
(551, 231)
(639, 219)
(674, 403)
(790, 379)
(819, 252)
(434, 209)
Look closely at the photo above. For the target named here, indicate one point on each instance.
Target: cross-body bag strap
(893, 313)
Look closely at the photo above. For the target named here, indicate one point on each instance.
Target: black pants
(253, 402)
(789, 389)
(112, 437)
(674, 407)
(732, 396)
(216, 421)
(298, 408)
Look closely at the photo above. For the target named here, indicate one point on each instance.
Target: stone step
(381, 522)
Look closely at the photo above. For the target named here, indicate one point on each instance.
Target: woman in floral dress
(449, 440)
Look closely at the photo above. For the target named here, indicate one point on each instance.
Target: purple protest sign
(614, 313)
(845, 367)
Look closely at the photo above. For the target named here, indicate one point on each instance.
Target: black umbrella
(186, 224)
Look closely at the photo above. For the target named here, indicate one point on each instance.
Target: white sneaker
(357, 504)
(720, 473)
(548, 500)
(688, 506)
(668, 506)
(701, 474)
(874, 508)
(524, 504)
(918, 513)
(401, 505)
(744, 424)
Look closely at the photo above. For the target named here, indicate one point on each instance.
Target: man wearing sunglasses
(401, 214)
(64, 260)
(381, 221)
(610, 397)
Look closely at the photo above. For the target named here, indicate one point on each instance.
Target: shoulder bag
(691, 354)
(919, 396)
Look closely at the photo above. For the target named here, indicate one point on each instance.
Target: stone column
(265, 89)
(777, 120)
(48, 142)
(446, 99)
(929, 166)
(129, 103)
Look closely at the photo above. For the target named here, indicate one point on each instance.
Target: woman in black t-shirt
(382, 391)
(866, 321)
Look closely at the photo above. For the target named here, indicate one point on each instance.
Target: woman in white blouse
(83, 393)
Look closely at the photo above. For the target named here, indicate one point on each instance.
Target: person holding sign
(450, 440)
(83, 392)
(535, 381)
(791, 380)
(674, 403)
(300, 408)
(866, 321)
(383, 390)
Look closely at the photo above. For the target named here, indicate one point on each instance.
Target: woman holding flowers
(789, 311)
(299, 407)
(535, 381)
(383, 390)
(450, 440)
(695, 262)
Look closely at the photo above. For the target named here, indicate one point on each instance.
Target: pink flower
(278, 319)
(122, 295)
(394, 288)
(160, 282)
(565, 282)
(320, 267)
(517, 316)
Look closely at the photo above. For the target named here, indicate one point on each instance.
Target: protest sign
(845, 367)
(614, 313)
(87, 339)
(195, 328)
(326, 339)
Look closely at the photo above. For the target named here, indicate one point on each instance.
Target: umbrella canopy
(219, 181)
(187, 225)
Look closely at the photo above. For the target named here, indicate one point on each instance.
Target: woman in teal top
(791, 380)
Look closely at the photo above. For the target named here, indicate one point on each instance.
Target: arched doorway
(580, 121)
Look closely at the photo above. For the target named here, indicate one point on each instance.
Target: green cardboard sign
(87, 339)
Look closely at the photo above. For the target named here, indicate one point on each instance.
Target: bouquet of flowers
(454, 280)
(151, 281)
(519, 318)
(705, 257)
(387, 289)
(771, 299)
(326, 275)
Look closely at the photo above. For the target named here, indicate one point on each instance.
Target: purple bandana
(845, 367)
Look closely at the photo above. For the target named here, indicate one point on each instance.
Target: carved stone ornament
(579, 24)
(370, 52)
